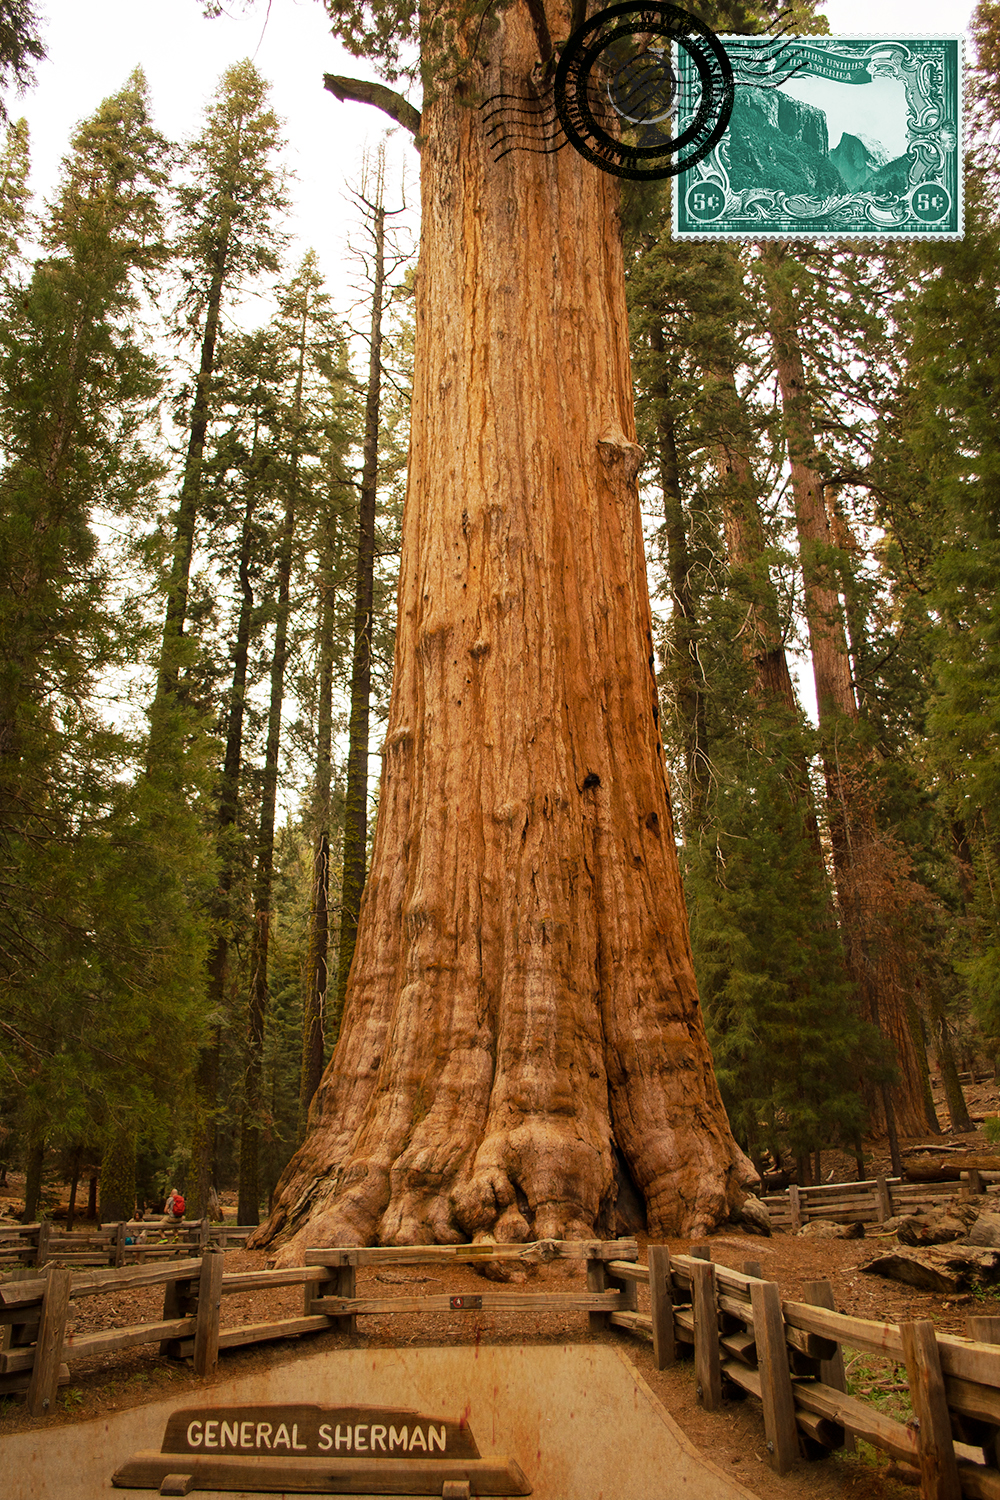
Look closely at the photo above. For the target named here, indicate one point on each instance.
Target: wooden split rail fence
(869, 1202)
(40, 1244)
(788, 1354)
(39, 1349)
(743, 1337)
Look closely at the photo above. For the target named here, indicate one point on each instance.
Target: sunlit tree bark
(522, 1007)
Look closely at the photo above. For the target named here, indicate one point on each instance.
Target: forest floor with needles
(732, 1436)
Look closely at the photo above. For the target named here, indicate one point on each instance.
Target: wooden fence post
(753, 1268)
(707, 1361)
(44, 1380)
(343, 1282)
(44, 1235)
(972, 1184)
(628, 1288)
(938, 1464)
(178, 1302)
(985, 1330)
(661, 1306)
(118, 1252)
(831, 1371)
(795, 1208)
(203, 1235)
(780, 1427)
(206, 1333)
(597, 1281)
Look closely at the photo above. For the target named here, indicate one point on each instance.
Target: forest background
(203, 457)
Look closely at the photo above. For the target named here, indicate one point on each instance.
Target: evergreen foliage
(955, 507)
(171, 896)
(20, 47)
(781, 1012)
(101, 942)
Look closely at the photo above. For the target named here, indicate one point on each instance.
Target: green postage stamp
(861, 139)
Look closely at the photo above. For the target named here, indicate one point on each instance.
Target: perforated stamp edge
(713, 169)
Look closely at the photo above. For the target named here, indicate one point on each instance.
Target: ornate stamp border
(755, 184)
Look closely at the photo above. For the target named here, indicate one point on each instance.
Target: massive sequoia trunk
(522, 1005)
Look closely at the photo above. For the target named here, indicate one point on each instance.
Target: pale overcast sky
(93, 46)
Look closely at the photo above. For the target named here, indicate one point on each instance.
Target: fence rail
(788, 1354)
(39, 1350)
(114, 1244)
(869, 1202)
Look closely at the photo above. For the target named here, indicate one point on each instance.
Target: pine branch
(387, 100)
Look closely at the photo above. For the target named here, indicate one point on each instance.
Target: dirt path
(733, 1437)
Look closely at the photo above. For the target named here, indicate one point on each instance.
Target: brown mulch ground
(733, 1436)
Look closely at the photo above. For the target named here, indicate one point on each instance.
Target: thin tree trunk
(33, 1178)
(843, 538)
(314, 1018)
(875, 965)
(190, 496)
(356, 797)
(204, 1145)
(763, 642)
(73, 1185)
(250, 1119)
(684, 668)
(958, 1109)
(250, 1116)
(522, 1001)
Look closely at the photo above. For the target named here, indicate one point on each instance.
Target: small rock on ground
(827, 1229)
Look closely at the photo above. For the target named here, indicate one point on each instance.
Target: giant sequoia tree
(522, 1016)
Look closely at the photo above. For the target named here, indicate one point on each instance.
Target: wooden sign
(327, 1450)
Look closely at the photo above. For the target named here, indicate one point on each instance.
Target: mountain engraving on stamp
(862, 140)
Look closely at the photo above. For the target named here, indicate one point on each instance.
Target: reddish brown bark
(762, 638)
(761, 632)
(872, 886)
(684, 669)
(522, 1002)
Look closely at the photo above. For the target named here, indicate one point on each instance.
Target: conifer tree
(304, 330)
(752, 848)
(331, 548)
(868, 886)
(238, 491)
(14, 193)
(227, 206)
(98, 935)
(355, 849)
(950, 516)
(20, 47)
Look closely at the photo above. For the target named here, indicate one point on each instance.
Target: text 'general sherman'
(314, 1431)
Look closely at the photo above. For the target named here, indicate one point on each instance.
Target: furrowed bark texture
(522, 1000)
(684, 666)
(866, 889)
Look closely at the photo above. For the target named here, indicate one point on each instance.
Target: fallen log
(948, 1270)
(948, 1168)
